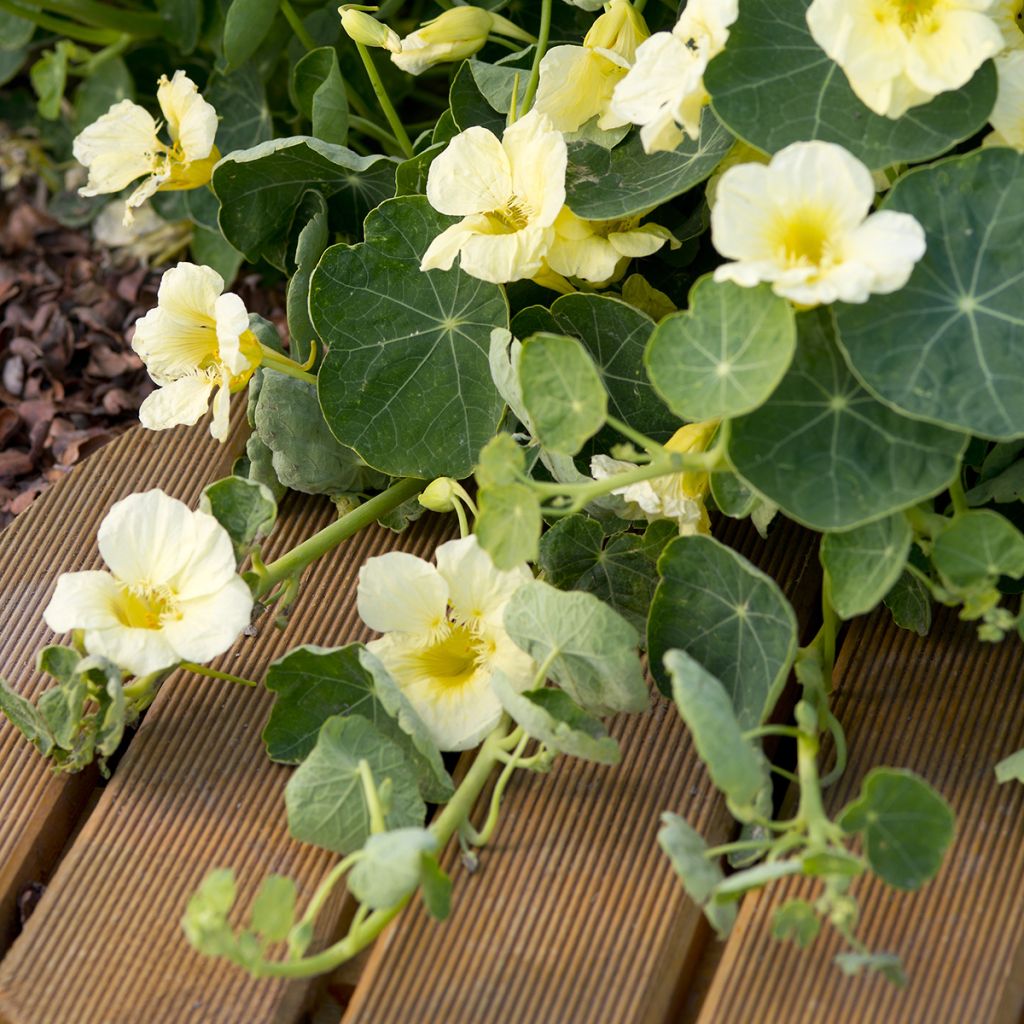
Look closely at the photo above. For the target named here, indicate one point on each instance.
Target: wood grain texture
(38, 808)
(575, 916)
(194, 791)
(949, 708)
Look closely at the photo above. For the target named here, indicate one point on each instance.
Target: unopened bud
(620, 30)
(439, 495)
(364, 28)
(453, 35)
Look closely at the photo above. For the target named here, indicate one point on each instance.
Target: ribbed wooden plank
(194, 791)
(575, 916)
(57, 534)
(947, 707)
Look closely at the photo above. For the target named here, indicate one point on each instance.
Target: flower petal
(117, 148)
(477, 590)
(138, 651)
(398, 591)
(232, 321)
(210, 625)
(191, 121)
(83, 600)
(538, 158)
(471, 176)
(184, 401)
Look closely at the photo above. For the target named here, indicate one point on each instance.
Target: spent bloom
(803, 223)
(678, 496)
(444, 635)
(196, 341)
(900, 53)
(453, 35)
(664, 90)
(123, 144)
(508, 193)
(577, 82)
(1007, 117)
(172, 592)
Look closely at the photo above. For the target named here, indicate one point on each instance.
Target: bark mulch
(69, 380)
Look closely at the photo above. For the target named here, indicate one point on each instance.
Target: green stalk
(304, 554)
(373, 130)
(284, 364)
(212, 673)
(297, 27)
(542, 46)
(385, 102)
(137, 23)
(67, 29)
(959, 499)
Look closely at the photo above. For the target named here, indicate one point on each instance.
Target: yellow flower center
(803, 237)
(910, 13)
(512, 217)
(144, 607)
(452, 660)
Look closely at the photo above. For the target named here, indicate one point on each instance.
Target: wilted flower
(195, 342)
(453, 35)
(123, 144)
(172, 593)
(664, 90)
(802, 222)
(508, 193)
(444, 635)
(900, 53)
(1007, 117)
(577, 82)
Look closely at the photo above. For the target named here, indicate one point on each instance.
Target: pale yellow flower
(664, 90)
(172, 593)
(577, 82)
(803, 223)
(508, 192)
(123, 145)
(900, 53)
(679, 496)
(1007, 15)
(1007, 117)
(598, 251)
(195, 342)
(444, 635)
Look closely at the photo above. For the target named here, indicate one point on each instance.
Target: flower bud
(364, 28)
(621, 29)
(439, 495)
(452, 36)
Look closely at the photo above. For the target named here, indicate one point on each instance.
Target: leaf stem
(482, 837)
(141, 24)
(212, 673)
(377, 823)
(385, 102)
(284, 364)
(324, 889)
(737, 847)
(66, 29)
(959, 499)
(543, 34)
(648, 444)
(297, 27)
(373, 130)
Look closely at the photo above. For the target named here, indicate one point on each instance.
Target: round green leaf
(729, 617)
(979, 546)
(724, 355)
(773, 85)
(391, 866)
(603, 184)
(828, 454)
(407, 380)
(949, 346)
(245, 508)
(864, 563)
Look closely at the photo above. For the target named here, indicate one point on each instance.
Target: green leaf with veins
(562, 392)
(948, 347)
(406, 381)
(312, 241)
(319, 94)
(978, 547)
(245, 508)
(726, 354)
(551, 716)
(605, 184)
(827, 453)
(737, 767)
(391, 866)
(910, 604)
(591, 649)
(509, 524)
(906, 825)
(1006, 487)
(325, 797)
(729, 617)
(241, 103)
(773, 85)
(864, 563)
(685, 848)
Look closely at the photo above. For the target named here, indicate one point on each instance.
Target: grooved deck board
(949, 708)
(194, 791)
(575, 916)
(57, 534)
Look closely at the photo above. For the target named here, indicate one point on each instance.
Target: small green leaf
(245, 508)
(206, 915)
(325, 797)
(319, 94)
(552, 717)
(907, 826)
(313, 240)
(726, 354)
(910, 604)
(273, 910)
(391, 866)
(48, 76)
(245, 27)
(182, 20)
(562, 392)
(1011, 768)
(22, 714)
(737, 767)
(796, 920)
(436, 888)
(978, 547)
(591, 651)
(700, 875)
(886, 964)
(241, 103)
(509, 524)
(863, 564)
(59, 662)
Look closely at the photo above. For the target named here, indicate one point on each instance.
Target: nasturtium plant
(657, 267)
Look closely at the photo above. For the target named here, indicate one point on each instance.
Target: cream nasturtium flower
(508, 193)
(598, 250)
(680, 496)
(196, 341)
(577, 82)
(664, 90)
(453, 35)
(803, 223)
(900, 53)
(123, 145)
(1007, 117)
(444, 635)
(172, 592)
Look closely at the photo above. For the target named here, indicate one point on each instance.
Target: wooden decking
(573, 915)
